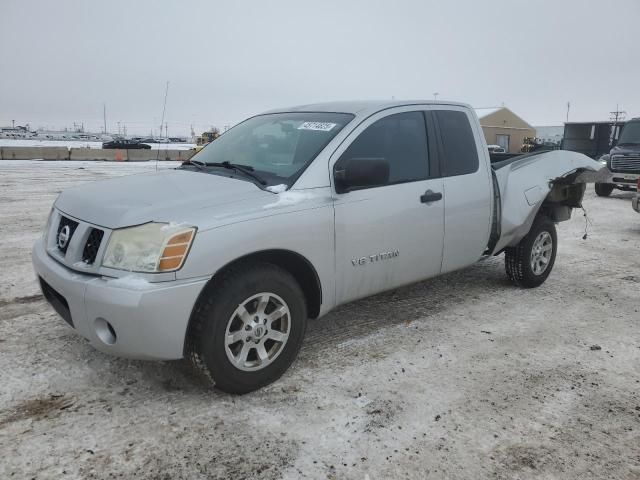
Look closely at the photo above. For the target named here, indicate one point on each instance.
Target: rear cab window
(458, 152)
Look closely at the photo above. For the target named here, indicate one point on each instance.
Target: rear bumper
(147, 320)
(635, 203)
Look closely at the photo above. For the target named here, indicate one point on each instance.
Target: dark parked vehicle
(623, 161)
(126, 144)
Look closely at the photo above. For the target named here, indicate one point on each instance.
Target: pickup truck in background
(623, 161)
(288, 215)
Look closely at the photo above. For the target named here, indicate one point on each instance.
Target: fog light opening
(105, 331)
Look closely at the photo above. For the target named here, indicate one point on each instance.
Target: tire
(603, 189)
(236, 338)
(524, 263)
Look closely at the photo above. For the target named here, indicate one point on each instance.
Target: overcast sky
(60, 60)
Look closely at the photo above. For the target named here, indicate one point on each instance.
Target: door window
(401, 139)
(460, 155)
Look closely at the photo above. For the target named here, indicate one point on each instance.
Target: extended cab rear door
(389, 235)
(468, 187)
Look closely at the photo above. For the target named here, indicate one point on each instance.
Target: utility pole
(104, 117)
(618, 115)
(164, 106)
(166, 130)
(13, 124)
(118, 128)
(568, 108)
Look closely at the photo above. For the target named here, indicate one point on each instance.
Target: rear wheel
(603, 189)
(248, 327)
(529, 263)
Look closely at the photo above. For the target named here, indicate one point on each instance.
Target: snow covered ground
(460, 377)
(9, 142)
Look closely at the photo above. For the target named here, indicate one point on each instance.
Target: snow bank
(34, 142)
(96, 166)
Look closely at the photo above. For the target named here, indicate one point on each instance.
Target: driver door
(389, 235)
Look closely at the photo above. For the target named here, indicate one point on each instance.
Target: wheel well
(561, 200)
(294, 263)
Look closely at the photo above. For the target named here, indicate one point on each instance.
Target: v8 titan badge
(375, 258)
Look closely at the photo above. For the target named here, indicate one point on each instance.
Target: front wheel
(603, 189)
(247, 327)
(529, 263)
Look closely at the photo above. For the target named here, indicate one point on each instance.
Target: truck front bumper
(135, 319)
(623, 179)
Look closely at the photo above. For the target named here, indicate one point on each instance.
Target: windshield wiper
(247, 170)
(196, 163)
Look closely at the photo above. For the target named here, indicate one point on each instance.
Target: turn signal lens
(175, 251)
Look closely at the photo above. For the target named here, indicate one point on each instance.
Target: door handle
(430, 196)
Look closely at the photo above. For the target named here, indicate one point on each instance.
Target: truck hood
(625, 150)
(166, 196)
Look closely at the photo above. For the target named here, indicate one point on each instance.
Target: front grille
(625, 163)
(92, 246)
(64, 222)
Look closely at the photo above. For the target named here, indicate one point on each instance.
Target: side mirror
(353, 173)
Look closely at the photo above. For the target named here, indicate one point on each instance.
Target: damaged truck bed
(547, 183)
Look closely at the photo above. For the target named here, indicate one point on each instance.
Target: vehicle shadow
(404, 305)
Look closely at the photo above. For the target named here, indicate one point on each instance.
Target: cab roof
(361, 107)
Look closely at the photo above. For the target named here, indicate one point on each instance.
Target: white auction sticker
(321, 126)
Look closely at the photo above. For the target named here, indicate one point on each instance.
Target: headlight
(152, 247)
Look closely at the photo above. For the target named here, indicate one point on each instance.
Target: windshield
(630, 134)
(278, 147)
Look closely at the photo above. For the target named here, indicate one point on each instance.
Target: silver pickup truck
(288, 215)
